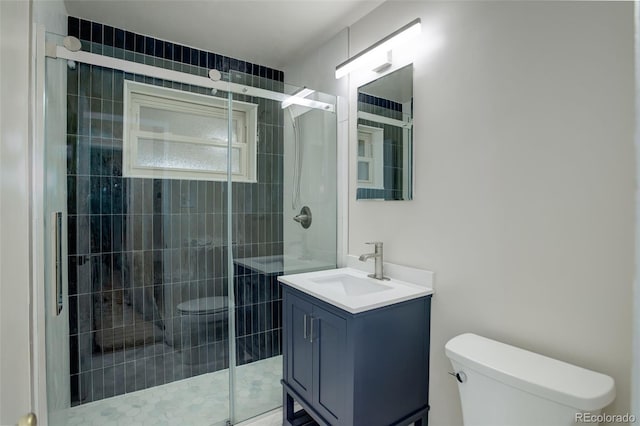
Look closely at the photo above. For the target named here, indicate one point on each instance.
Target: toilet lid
(531, 372)
(205, 305)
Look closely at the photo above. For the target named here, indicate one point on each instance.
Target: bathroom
(523, 180)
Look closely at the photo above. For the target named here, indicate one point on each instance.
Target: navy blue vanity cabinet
(366, 369)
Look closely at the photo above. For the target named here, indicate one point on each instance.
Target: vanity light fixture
(300, 94)
(379, 54)
(373, 60)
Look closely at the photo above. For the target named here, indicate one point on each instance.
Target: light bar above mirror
(378, 55)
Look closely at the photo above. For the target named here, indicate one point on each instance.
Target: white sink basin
(350, 285)
(352, 290)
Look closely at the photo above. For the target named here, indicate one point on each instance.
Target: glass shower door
(55, 247)
(137, 251)
(267, 242)
(256, 212)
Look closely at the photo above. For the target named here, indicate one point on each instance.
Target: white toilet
(501, 385)
(203, 322)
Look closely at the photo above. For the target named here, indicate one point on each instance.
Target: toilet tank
(504, 386)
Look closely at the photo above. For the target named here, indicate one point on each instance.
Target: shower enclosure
(168, 196)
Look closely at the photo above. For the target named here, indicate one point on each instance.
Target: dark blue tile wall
(258, 314)
(386, 106)
(139, 247)
(113, 37)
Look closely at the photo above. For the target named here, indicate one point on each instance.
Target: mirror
(385, 137)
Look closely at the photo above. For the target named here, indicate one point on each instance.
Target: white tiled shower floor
(200, 400)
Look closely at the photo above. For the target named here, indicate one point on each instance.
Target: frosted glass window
(370, 157)
(181, 135)
(365, 157)
(187, 124)
(156, 153)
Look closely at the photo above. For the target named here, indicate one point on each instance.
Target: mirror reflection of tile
(386, 104)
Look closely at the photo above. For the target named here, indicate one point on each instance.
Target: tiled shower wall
(392, 147)
(139, 247)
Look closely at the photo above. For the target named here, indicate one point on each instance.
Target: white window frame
(244, 116)
(375, 136)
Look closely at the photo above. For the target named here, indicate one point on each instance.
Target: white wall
(304, 70)
(52, 14)
(15, 389)
(523, 202)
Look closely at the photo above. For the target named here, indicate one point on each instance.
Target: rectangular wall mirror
(385, 137)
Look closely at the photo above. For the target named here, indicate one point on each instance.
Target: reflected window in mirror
(385, 137)
(370, 153)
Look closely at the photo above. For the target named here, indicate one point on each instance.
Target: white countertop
(395, 291)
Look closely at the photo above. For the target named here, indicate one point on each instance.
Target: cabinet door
(329, 334)
(299, 347)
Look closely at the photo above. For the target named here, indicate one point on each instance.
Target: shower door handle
(56, 261)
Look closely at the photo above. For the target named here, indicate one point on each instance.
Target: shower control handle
(304, 217)
(301, 218)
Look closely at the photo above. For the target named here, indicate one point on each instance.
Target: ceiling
(266, 32)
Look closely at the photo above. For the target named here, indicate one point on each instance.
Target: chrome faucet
(377, 256)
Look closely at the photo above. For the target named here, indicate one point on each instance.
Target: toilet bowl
(203, 322)
(501, 385)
